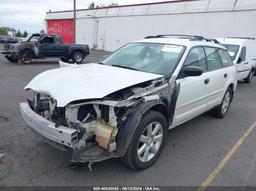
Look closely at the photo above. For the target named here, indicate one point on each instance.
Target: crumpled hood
(86, 81)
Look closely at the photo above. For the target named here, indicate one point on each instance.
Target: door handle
(225, 75)
(206, 81)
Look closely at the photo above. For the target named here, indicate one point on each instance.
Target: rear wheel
(221, 110)
(148, 141)
(249, 77)
(77, 57)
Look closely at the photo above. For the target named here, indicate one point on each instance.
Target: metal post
(74, 21)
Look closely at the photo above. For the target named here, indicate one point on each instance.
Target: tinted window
(243, 54)
(146, 57)
(48, 40)
(213, 59)
(225, 58)
(196, 57)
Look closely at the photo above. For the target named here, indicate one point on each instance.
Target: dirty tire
(219, 111)
(25, 57)
(132, 158)
(249, 77)
(77, 57)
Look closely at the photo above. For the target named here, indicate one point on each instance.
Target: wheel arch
(232, 87)
(127, 130)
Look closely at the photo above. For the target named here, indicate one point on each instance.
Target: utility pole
(74, 35)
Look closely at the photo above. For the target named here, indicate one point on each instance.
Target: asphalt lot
(192, 151)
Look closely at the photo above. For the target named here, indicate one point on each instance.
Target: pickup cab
(40, 46)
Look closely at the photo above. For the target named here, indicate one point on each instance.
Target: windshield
(146, 57)
(232, 50)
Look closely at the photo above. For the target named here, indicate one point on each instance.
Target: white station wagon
(124, 105)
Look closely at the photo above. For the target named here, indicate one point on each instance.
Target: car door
(46, 47)
(49, 47)
(194, 90)
(216, 74)
(243, 67)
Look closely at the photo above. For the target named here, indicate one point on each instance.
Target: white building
(110, 28)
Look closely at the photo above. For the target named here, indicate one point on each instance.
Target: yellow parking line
(224, 161)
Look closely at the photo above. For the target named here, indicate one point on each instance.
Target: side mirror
(192, 71)
(239, 60)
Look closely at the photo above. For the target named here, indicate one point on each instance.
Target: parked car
(40, 46)
(124, 105)
(8, 40)
(243, 53)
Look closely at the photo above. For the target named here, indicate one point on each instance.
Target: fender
(127, 130)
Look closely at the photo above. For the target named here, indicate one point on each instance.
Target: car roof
(234, 40)
(187, 42)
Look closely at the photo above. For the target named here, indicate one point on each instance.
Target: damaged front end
(99, 129)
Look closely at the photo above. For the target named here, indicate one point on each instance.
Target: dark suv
(40, 46)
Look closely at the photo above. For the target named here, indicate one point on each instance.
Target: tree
(91, 5)
(25, 34)
(3, 31)
(18, 34)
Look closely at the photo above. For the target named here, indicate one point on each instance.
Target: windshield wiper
(126, 67)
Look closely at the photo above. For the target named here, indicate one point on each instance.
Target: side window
(213, 59)
(225, 58)
(243, 54)
(48, 40)
(196, 57)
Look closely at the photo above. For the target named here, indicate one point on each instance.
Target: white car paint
(86, 81)
(243, 68)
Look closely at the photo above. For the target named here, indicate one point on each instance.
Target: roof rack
(190, 37)
(249, 38)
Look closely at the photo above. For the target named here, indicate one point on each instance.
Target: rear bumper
(61, 135)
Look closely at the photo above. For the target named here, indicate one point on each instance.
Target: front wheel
(221, 110)
(148, 141)
(26, 57)
(78, 57)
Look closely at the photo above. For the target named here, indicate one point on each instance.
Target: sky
(29, 14)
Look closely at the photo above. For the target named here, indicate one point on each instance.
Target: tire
(26, 57)
(219, 111)
(150, 149)
(248, 79)
(78, 57)
(64, 59)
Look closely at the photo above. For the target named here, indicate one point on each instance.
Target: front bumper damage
(11, 55)
(61, 137)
